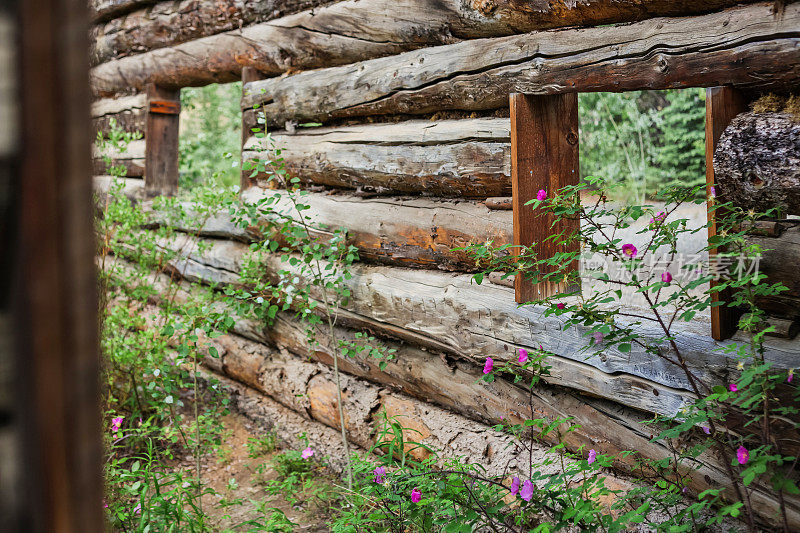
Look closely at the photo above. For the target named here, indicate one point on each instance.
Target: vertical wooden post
(544, 155)
(161, 141)
(249, 74)
(48, 292)
(722, 105)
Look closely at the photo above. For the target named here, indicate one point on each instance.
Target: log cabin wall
(413, 157)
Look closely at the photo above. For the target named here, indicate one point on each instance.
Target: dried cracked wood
(106, 9)
(450, 382)
(128, 111)
(451, 314)
(132, 159)
(169, 23)
(746, 46)
(757, 162)
(414, 232)
(353, 30)
(448, 158)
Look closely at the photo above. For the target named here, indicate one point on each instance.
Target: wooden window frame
(544, 155)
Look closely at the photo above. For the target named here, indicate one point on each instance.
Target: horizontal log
(747, 46)
(451, 314)
(105, 9)
(288, 425)
(353, 30)
(448, 158)
(132, 188)
(757, 162)
(170, 23)
(132, 159)
(128, 111)
(416, 232)
(449, 382)
(779, 262)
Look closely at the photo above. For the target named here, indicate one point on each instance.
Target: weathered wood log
(127, 111)
(338, 34)
(106, 9)
(469, 321)
(415, 232)
(747, 46)
(171, 23)
(757, 162)
(503, 203)
(132, 159)
(132, 188)
(448, 158)
(780, 263)
(448, 382)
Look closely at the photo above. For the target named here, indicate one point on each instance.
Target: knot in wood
(572, 138)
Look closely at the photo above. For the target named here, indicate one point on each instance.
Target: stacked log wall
(412, 157)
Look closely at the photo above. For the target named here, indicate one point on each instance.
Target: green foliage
(680, 157)
(259, 446)
(643, 141)
(211, 121)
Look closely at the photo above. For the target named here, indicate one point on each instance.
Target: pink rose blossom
(307, 453)
(592, 456)
(416, 495)
(515, 485)
(523, 356)
(629, 250)
(742, 455)
(733, 388)
(527, 491)
(541, 195)
(380, 474)
(138, 508)
(660, 217)
(706, 430)
(598, 337)
(712, 191)
(790, 376)
(666, 277)
(487, 367)
(560, 305)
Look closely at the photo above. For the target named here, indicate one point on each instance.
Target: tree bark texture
(173, 22)
(757, 162)
(351, 31)
(746, 46)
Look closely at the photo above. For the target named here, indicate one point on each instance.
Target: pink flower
(598, 337)
(733, 388)
(790, 376)
(523, 356)
(116, 423)
(712, 191)
(706, 430)
(742, 455)
(560, 305)
(105, 504)
(138, 508)
(666, 277)
(541, 195)
(307, 453)
(416, 495)
(380, 474)
(527, 491)
(515, 485)
(629, 250)
(487, 367)
(592, 456)
(660, 217)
